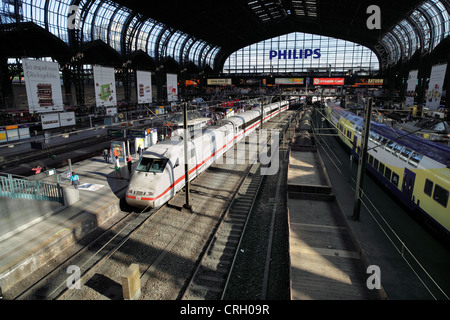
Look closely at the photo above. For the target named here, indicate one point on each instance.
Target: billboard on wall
(50, 121)
(172, 87)
(434, 92)
(67, 119)
(105, 86)
(411, 87)
(144, 86)
(43, 85)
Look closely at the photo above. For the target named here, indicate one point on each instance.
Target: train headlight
(149, 193)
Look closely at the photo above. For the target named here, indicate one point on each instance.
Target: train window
(381, 168)
(405, 154)
(440, 195)
(387, 173)
(383, 141)
(415, 159)
(390, 145)
(378, 138)
(375, 164)
(369, 159)
(151, 165)
(397, 149)
(394, 179)
(428, 187)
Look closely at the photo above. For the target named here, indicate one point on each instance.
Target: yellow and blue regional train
(415, 170)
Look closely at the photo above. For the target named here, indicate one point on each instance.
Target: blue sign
(295, 54)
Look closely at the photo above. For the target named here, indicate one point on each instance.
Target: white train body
(160, 173)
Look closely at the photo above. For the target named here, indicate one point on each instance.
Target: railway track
(211, 276)
(91, 258)
(54, 285)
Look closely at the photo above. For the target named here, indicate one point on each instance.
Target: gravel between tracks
(248, 276)
(166, 263)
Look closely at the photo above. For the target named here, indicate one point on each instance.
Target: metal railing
(17, 188)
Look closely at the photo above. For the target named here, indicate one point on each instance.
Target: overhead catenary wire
(387, 229)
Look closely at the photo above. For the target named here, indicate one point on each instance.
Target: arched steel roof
(206, 32)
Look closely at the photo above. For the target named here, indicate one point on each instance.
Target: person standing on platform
(129, 164)
(139, 150)
(106, 155)
(117, 167)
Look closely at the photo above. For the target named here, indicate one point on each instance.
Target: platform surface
(99, 199)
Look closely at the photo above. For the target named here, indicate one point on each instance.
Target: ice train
(160, 173)
(415, 170)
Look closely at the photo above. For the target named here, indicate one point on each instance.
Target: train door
(409, 178)
(355, 149)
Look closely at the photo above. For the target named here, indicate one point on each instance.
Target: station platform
(326, 261)
(100, 191)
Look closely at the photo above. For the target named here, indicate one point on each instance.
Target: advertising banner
(24, 132)
(434, 92)
(43, 85)
(411, 87)
(105, 86)
(3, 134)
(67, 119)
(12, 132)
(328, 81)
(172, 87)
(50, 121)
(144, 86)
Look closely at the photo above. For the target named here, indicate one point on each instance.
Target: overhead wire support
(362, 160)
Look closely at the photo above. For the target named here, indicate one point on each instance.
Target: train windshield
(152, 165)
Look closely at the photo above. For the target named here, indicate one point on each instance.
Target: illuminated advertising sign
(298, 81)
(295, 54)
(218, 82)
(368, 82)
(328, 81)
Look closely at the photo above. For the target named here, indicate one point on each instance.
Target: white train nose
(140, 198)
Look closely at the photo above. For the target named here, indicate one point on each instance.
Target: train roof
(436, 151)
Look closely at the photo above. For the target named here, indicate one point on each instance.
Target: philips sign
(295, 54)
